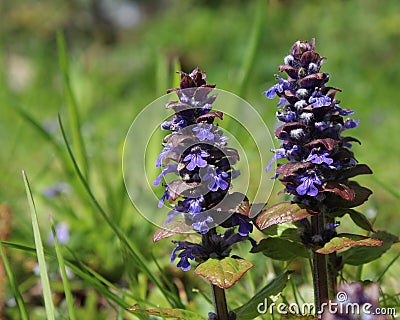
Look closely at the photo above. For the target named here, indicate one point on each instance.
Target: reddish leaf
(176, 139)
(236, 202)
(209, 117)
(177, 106)
(342, 154)
(328, 143)
(342, 189)
(351, 139)
(289, 168)
(166, 313)
(223, 273)
(282, 212)
(361, 194)
(170, 229)
(355, 171)
(292, 72)
(233, 153)
(179, 188)
(314, 80)
(339, 243)
(309, 56)
(201, 93)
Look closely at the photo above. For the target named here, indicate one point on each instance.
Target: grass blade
(89, 276)
(387, 268)
(48, 302)
(13, 285)
(252, 48)
(64, 278)
(137, 257)
(72, 106)
(387, 187)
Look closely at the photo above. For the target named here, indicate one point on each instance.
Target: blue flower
(307, 186)
(216, 177)
(196, 158)
(279, 154)
(168, 169)
(350, 124)
(245, 227)
(195, 204)
(203, 131)
(319, 158)
(286, 117)
(164, 197)
(279, 87)
(62, 234)
(184, 257)
(188, 250)
(56, 190)
(164, 152)
(200, 223)
(282, 101)
(319, 100)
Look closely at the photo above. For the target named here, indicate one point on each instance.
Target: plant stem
(333, 266)
(221, 308)
(320, 269)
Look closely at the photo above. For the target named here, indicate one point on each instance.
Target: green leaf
(249, 310)
(281, 249)
(361, 194)
(13, 284)
(167, 313)
(72, 106)
(67, 289)
(360, 220)
(362, 255)
(282, 212)
(170, 229)
(48, 301)
(223, 273)
(339, 243)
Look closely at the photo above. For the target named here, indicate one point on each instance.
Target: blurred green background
(122, 56)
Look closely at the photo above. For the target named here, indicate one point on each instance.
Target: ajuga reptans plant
(319, 167)
(197, 156)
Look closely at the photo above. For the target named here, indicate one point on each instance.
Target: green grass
(98, 89)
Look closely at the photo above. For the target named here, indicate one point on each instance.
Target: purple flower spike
(196, 158)
(307, 186)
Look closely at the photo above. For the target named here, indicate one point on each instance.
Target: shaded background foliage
(122, 56)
